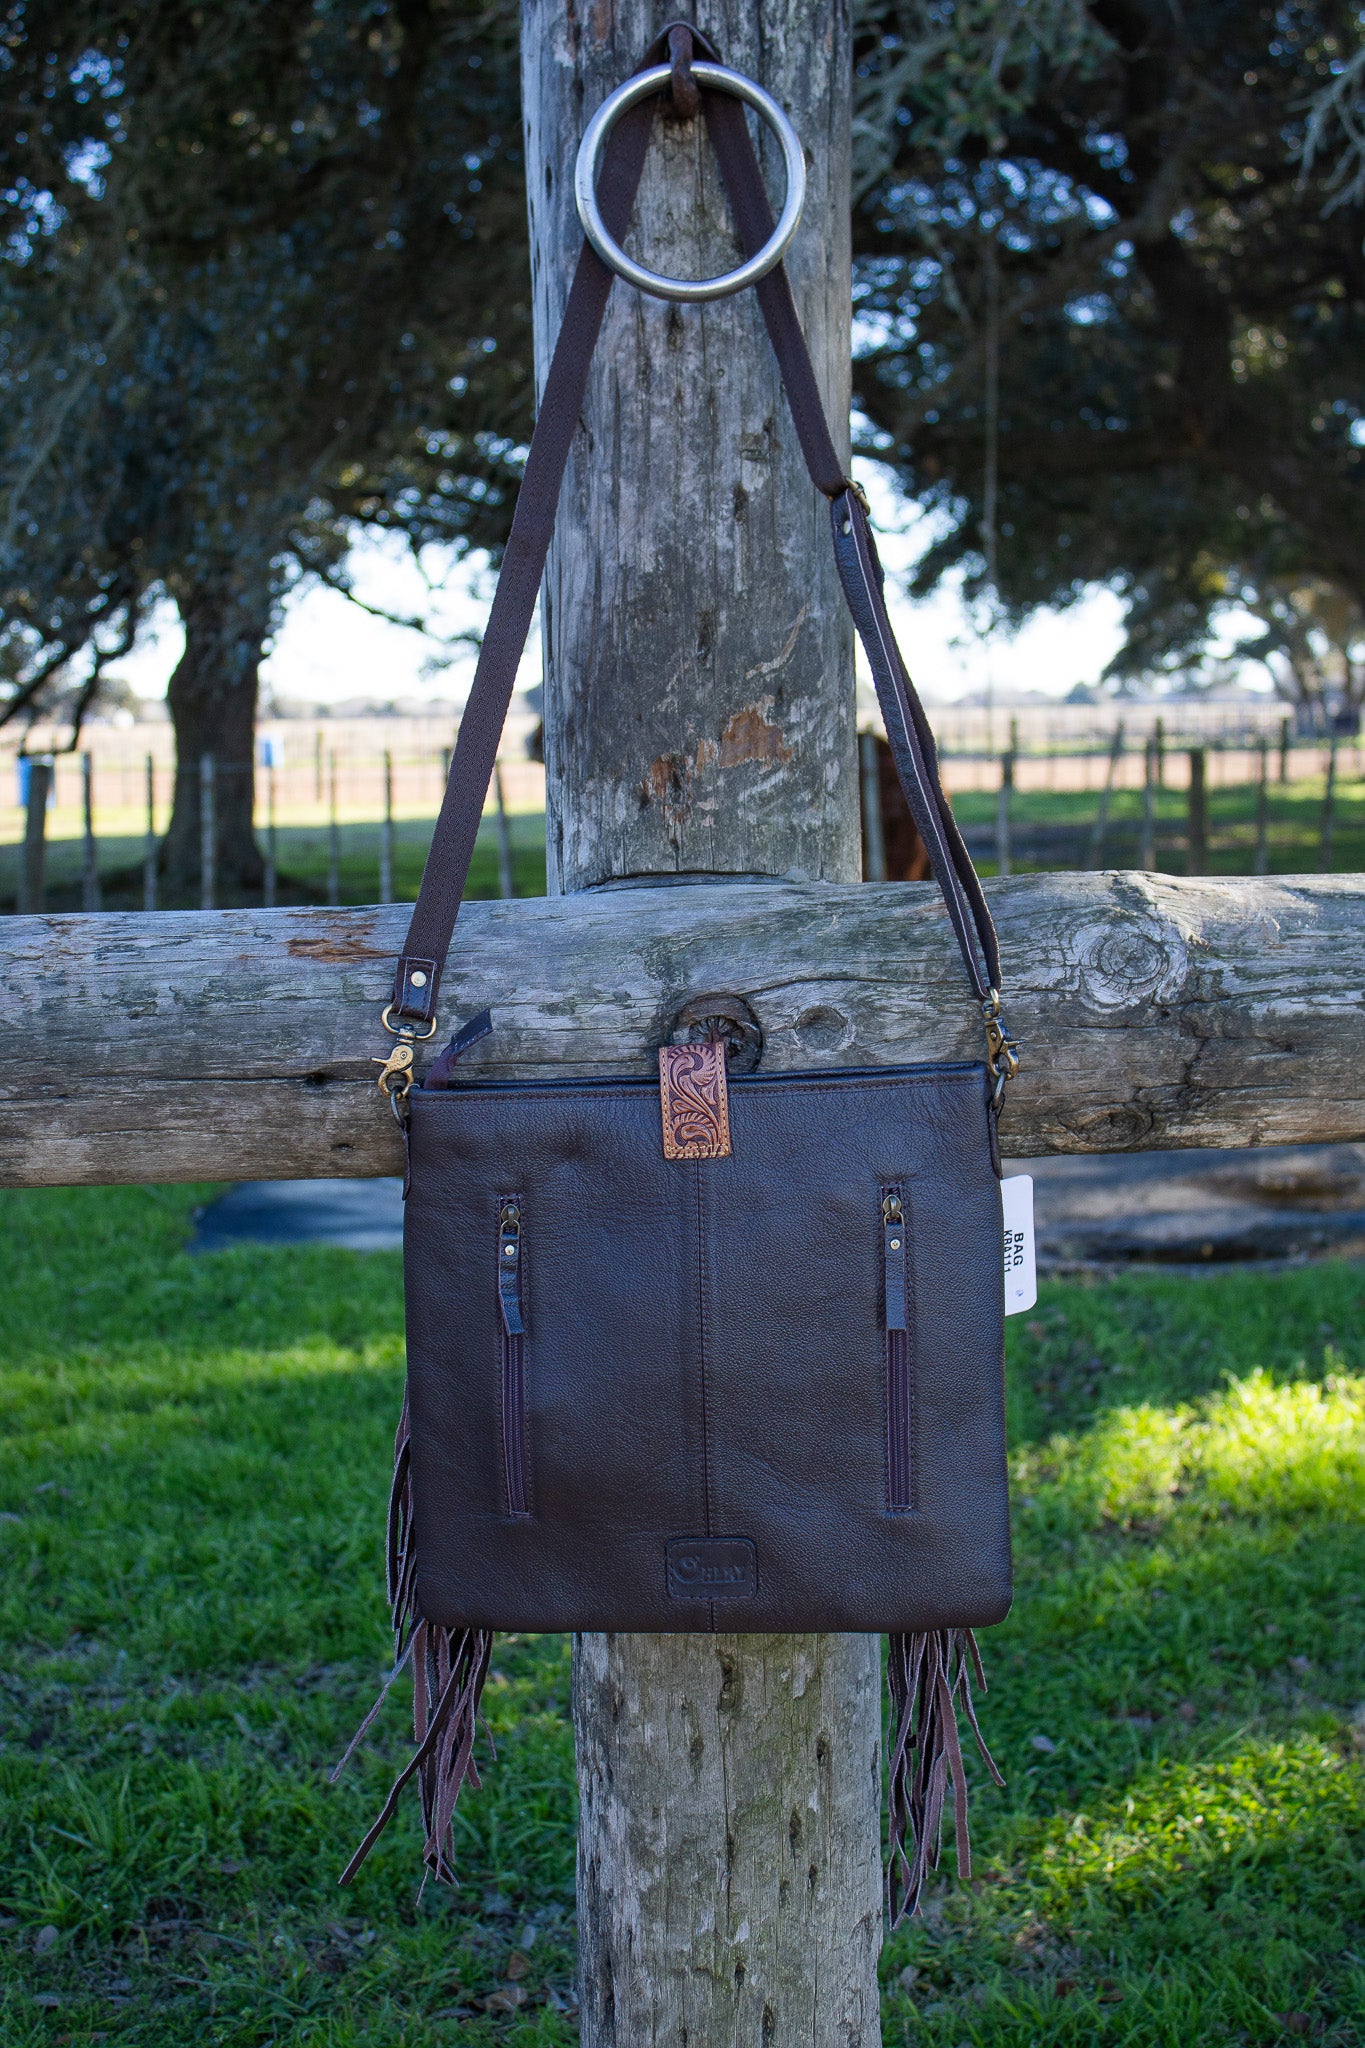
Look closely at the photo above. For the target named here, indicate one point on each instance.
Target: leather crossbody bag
(691, 1349)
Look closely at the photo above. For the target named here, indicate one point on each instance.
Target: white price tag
(1021, 1270)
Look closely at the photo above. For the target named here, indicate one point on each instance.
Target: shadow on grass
(197, 1452)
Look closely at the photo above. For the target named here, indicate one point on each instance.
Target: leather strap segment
(514, 600)
(417, 978)
(912, 745)
(860, 570)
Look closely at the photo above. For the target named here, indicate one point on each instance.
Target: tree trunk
(212, 699)
(699, 709)
(699, 719)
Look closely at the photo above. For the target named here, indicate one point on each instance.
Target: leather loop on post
(860, 573)
(686, 91)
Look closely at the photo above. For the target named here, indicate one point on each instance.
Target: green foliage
(1111, 204)
(194, 1456)
(262, 282)
(255, 257)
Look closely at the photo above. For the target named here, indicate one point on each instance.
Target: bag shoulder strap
(418, 973)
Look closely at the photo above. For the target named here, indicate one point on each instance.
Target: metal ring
(720, 79)
(402, 1030)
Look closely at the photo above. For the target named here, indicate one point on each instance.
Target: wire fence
(342, 809)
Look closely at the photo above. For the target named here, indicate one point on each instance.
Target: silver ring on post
(720, 79)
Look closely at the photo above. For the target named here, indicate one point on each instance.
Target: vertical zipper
(899, 1472)
(513, 1351)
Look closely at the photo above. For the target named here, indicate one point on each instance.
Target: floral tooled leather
(696, 1108)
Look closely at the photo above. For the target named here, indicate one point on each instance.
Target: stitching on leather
(911, 1346)
(703, 1336)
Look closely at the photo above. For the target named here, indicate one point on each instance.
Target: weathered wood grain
(699, 718)
(699, 667)
(737, 1779)
(237, 1044)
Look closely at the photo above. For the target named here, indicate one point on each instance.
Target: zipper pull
(509, 1268)
(893, 1256)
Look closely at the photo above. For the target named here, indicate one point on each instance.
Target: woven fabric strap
(418, 974)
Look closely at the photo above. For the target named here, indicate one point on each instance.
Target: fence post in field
(1004, 855)
(1159, 750)
(699, 718)
(506, 875)
(1147, 846)
(1284, 750)
(1260, 863)
(270, 881)
(208, 832)
(33, 865)
(149, 845)
(1101, 824)
(333, 834)
(1197, 826)
(386, 834)
(90, 858)
(1327, 829)
(874, 835)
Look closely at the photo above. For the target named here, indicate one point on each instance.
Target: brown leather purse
(692, 1349)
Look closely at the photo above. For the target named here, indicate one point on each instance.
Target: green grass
(303, 856)
(193, 1464)
(1294, 844)
(1293, 829)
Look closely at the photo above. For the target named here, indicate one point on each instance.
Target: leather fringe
(449, 1667)
(930, 1681)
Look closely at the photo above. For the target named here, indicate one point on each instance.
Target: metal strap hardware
(719, 78)
(621, 152)
(1002, 1051)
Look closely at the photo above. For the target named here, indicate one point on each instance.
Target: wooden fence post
(1095, 854)
(90, 854)
(333, 833)
(1004, 852)
(33, 864)
(1327, 828)
(506, 873)
(699, 719)
(270, 881)
(208, 832)
(386, 834)
(149, 843)
(1260, 860)
(874, 834)
(1197, 815)
(1147, 847)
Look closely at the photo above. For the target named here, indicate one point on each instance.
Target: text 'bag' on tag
(1021, 1269)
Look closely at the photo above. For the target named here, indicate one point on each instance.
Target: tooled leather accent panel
(696, 1108)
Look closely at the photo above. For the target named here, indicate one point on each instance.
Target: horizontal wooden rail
(226, 1045)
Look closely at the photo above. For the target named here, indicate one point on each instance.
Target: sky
(328, 650)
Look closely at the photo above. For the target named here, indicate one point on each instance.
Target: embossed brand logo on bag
(696, 1107)
(712, 1568)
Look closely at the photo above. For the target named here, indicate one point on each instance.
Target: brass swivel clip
(396, 1078)
(1002, 1052)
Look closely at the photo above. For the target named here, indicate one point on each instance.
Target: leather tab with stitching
(415, 983)
(694, 1101)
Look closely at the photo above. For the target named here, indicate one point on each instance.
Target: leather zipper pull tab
(509, 1268)
(893, 1255)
